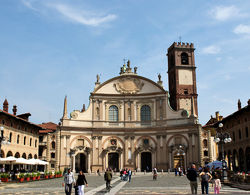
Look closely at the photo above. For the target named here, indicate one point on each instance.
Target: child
(217, 184)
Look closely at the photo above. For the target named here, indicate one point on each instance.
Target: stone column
(126, 149)
(95, 157)
(67, 150)
(89, 162)
(164, 153)
(157, 153)
(99, 149)
(73, 163)
(132, 149)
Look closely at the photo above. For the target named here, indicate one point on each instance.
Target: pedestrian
(108, 178)
(98, 172)
(175, 172)
(154, 174)
(69, 180)
(205, 179)
(192, 177)
(81, 182)
(129, 175)
(217, 184)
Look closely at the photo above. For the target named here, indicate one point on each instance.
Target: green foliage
(33, 174)
(50, 173)
(4, 175)
(38, 174)
(27, 175)
(46, 173)
(21, 175)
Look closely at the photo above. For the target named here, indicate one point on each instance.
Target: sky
(53, 48)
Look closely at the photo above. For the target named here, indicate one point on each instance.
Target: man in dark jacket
(192, 177)
(108, 178)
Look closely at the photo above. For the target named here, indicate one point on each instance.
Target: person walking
(129, 175)
(108, 178)
(217, 184)
(154, 174)
(192, 177)
(69, 180)
(205, 179)
(81, 182)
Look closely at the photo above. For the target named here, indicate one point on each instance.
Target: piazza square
(124, 98)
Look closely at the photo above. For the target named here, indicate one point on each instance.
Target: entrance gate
(113, 161)
(146, 161)
(80, 162)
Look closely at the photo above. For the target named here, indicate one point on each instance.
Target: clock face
(185, 77)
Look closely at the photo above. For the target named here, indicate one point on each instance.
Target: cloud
(212, 49)
(223, 13)
(242, 29)
(72, 14)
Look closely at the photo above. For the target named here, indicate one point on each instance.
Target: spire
(239, 104)
(5, 105)
(65, 112)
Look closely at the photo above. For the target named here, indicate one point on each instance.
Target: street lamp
(3, 140)
(222, 138)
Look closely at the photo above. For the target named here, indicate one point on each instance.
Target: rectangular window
(246, 131)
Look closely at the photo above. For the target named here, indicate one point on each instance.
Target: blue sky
(50, 48)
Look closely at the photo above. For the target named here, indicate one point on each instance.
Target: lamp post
(222, 138)
(3, 140)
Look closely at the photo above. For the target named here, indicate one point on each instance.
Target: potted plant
(5, 177)
(38, 175)
(46, 175)
(27, 176)
(50, 175)
(60, 173)
(33, 176)
(21, 177)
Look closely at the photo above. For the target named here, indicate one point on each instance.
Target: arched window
(30, 141)
(24, 140)
(36, 143)
(9, 154)
(35, 156)
(53, 145)
(52, 155)
(17, 155)
(10, 138)
(184, 58)
(18, 138)
(205, 143)
(145, 113)
(113, 113)
(24, 155)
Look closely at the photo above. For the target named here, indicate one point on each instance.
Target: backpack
(205, 177)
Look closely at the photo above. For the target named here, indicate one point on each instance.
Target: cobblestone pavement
(140, 184)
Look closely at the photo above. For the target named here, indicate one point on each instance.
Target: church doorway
(113, 161)
(146, 161)
(179, 161)
(80, 162)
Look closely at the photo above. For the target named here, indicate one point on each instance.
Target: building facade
(47, 144)
(133, 122)
(237, 152)
(22, 134)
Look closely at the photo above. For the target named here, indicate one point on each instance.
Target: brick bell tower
(182, 77)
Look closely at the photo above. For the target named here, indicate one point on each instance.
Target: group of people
(179, 171)
(205, 178)
(79, 184)
(126, 174)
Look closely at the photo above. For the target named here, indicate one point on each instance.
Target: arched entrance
(113, 161)
(247, 154)
(146, 161)
(81, 162)
(241, 159)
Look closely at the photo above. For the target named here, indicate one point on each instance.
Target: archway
(113, 161)
(9, 154)
(241, 159)
(235, 161)
(80, 162)
(146, 161)
(247, 154)
(30, 156)
(17, 155)
(24, 156)
(2, 154)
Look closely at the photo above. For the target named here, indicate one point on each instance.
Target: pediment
(129, 85)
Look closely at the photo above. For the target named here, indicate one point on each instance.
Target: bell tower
(182, 77)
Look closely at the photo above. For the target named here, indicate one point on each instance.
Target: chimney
(217, 115)
(239, 104)
(248, 102)
(5, 105)
(83, 108)
(14, 110)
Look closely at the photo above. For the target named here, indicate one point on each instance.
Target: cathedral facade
(133, 122)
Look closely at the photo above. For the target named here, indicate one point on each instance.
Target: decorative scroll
(128, 85)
